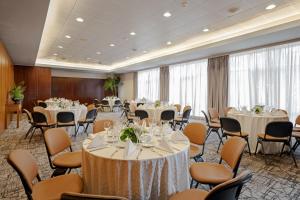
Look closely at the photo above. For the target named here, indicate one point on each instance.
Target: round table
(150, 174)
(254, 124)
(155, 112)
(79, 111)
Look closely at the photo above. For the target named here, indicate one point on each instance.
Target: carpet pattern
(275, 178)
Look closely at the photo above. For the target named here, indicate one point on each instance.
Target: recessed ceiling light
(68, 36)
(132, 33)
(144, 51)
(55, 54)
(98, 52)
(79, 19)
(59, 46)
(270, 7)
(205, 30)
(169, 43)
(167, 14)
(112, 45)
(88, 58)
(127, 57)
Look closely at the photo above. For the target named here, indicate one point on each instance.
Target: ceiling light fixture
(132, 33)
(169, 43)
(270, 7)
(167, 14)
(59, 46)
(98, 52)
(144, 51)
(127, 57)
(68, 36)
(55, 54)
(79, 19)
(112, 45)
(205, 30)
(88, 58)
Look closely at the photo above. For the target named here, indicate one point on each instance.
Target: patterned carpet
(276, 180)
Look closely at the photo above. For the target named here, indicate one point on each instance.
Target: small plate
(148, 145)
(121, 144)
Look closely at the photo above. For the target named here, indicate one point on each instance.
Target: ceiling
(232, 24)
(21, 27)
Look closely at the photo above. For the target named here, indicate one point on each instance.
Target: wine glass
(107, 126)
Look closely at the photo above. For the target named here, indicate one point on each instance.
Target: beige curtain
(218, 83)
(164, 83)
(135, 82)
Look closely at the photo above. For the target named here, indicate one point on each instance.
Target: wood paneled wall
(6, 81)
(37, 81)
(82, 89)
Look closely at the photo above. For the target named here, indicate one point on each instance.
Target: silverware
(152, 149)
(140, 151)
(98, 148)
(114, 153)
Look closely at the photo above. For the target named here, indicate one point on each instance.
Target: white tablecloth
(256, 123)
(154, 113)
(155, 175)
(79, 111)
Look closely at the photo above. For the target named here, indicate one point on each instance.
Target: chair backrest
(186, 114)
(118, 102)
(42, 104)
(230, 125)
(44, 111)
(99, 125)
(90, 107)
(178, 107)
(279, 129)
(81, 196)
(226, 110)
(126, 105)
(65, 117)
(139, 104)
(28, 114)
(132, 107)
(56, 140)
(230, 190)
(213, 114)
(25, 165)
(91, 114)
(186, 108)
(38, 118)
(297, 121)
(104, 102)
(196, 132)
(142, 114)
(232, 152)
(205, 116)
(167, 115)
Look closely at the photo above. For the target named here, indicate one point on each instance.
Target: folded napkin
(98, 141)
(178, 136)
(164, 145)
(129, 149)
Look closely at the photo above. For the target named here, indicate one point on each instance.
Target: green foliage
(111, 84)
(17, 92)
(128, 133)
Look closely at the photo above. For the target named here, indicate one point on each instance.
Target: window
(268, 76)
(148, 84)
(188, 85)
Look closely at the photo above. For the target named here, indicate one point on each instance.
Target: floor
(279, 179)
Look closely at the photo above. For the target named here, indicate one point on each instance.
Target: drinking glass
(107, 126)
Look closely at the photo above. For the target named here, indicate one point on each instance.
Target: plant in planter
(111, 84)
(17, 92)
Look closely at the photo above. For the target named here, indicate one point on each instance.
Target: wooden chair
(99, 125)
(196, 133)
(57, 140)
(80, 196)
(214, 115)
(26, 167)
(229, 190)
(213, 173)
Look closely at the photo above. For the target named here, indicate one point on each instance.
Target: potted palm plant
(111, 84)
(17, 92)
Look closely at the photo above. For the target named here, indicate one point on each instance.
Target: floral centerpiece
(156, 103)
(17, 92)
(258, 109)
(132, 133)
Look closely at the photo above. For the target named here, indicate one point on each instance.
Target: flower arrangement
(128, 133)
(156, 103)
(258, 109)
(17, 92)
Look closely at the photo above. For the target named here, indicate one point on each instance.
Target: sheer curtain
(188, 85)
(148, 84)
(268, 76)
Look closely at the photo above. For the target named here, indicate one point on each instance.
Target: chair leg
(28, 132)
(197, 184)
(282, 149)
(293, 156)
(217, 131)
(192, 181)
(219, 146)
(256, 148)
(248, 146)
(208, 133)
(87, 125)
(33, 131)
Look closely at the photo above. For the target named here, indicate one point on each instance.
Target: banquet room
(150, 100)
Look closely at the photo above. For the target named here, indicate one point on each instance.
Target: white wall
(77, 74)
(126, 88)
